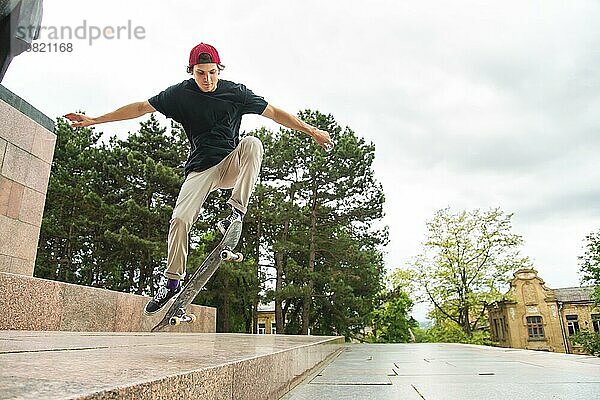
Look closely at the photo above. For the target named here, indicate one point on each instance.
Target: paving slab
(436, 371)
(62, 365)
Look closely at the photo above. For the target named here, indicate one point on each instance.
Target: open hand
(80, 120)
(323, 138)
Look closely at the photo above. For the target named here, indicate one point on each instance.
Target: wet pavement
(451, 371)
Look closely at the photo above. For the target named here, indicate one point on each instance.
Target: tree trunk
(143, 274)
(306, 306)
(466, 324)
(257, 258)
(249, 322)
(255, 318)
(66, 271)
(284, 309)
(279, 264)
(225, 308)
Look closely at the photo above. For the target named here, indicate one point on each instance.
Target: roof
(574, 294)
(269, 307)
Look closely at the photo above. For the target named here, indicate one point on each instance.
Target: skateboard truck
(180, 317)
(228, 255)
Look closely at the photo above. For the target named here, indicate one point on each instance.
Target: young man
(210, 110)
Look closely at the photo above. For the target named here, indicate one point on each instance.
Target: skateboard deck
(222, 252)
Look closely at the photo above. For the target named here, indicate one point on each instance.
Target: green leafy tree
(281, 219)
(589, 262)
(73, 210)
(340, 199)
(445, 330)
(319, 229)
(467, 258)
(423, 335)
(391, 322)
(142, 176)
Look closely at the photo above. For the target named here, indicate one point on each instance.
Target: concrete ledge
(37, 304)
(30, 111)
(58, 365)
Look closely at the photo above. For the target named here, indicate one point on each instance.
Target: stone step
(29, 303)
(78, 365)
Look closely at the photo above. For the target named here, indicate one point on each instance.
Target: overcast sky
(470, 104)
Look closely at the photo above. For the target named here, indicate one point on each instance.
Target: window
(261, 329)
(572, 324)
(596, 322)
(498, 329)
(273, 328)
(535, 328)
(494, 327)
(502, 329)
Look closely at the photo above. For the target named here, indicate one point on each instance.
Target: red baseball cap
(204, 48)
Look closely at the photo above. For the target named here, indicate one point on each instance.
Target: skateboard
(176, 314)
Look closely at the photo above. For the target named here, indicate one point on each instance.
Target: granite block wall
(26, 151)
(34, 304)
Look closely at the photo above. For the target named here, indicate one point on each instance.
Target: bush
(590, 341)
(444, 331)
(422, 335)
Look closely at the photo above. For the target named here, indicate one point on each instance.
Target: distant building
(266, 319)
(539, 318)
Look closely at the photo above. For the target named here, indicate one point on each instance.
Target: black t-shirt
(211, 120)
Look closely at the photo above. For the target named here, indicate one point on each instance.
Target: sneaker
(224, 224)
(161, 298)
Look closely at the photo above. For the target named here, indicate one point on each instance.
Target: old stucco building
(266, 319)
(539, 318)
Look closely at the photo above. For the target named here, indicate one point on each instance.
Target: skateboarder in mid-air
(210, 110)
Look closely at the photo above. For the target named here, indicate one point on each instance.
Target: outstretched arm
(291, 121)
(129, 111)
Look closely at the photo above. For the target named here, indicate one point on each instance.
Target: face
(206, 76)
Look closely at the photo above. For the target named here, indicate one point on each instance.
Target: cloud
(471, 104)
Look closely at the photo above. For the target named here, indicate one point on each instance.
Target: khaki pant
(238, 171)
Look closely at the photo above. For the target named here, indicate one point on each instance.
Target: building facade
(266, 319)
(536, 317)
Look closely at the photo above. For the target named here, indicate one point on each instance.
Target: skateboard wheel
(193, 318)
(228, 255)
(174, 321)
